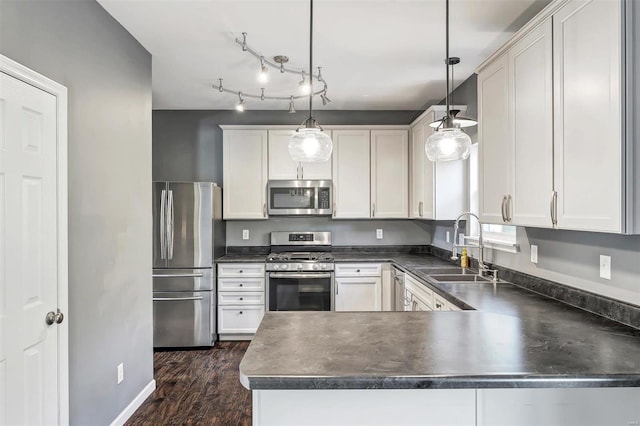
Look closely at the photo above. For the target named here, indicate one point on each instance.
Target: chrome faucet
(482, 268)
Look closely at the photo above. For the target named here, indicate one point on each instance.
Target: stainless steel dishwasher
(397, 278)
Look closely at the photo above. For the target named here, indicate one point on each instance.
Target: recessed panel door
(28, 255)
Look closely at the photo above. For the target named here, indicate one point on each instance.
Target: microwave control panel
(324, 195)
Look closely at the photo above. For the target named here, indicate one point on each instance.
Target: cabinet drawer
(241, 270)
(241, 298)
(439, 304)
(419, 291)
(358, 269)
(240, 284)
(239, 319)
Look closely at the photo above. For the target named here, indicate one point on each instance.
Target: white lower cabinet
(419, 297)
(241, 300)
(358, 287)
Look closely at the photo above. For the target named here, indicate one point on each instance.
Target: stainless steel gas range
(300, 272)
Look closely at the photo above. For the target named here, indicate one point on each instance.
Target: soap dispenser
(464, 259)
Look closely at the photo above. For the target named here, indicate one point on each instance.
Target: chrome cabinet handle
(177, 276)
(421, 209)
(264, 209)
(175, 299)
(504, 202)
(163, 224)
(54, 317)
(554, 207)
(170, 226)
(301, 171)
(373, 210)
(509, 209)
(334, 209)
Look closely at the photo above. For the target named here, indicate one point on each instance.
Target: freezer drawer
(182, 319)
(183, 279)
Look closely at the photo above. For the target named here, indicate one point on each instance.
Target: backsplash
(344, 232)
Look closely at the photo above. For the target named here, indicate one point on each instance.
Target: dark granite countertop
(242, 258)
(514, 338)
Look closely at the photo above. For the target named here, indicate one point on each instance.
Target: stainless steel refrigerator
(188, 235)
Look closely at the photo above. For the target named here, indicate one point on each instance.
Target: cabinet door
(421, 182)
(244, 164)
(358, 294)
(351, 174)
(317, 171)
(587, 149)
(389, 174)
(281, 166)
(530, 69)
(493, 137)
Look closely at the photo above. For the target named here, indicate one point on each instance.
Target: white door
(244, 164)
(389, 174)
(493, 135)
(359, 294)
(587, 117)
(28, 254)
(421, 172)
(351, 174)
(530, 68)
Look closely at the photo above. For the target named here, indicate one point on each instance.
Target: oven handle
(288, 275)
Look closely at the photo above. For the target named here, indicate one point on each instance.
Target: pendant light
(309, 143)
(448, 143)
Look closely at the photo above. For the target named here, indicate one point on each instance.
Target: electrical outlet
(120, 373)
(379, 234)
(245, 234)
(534, 253)
(448, 236)
(605, 267)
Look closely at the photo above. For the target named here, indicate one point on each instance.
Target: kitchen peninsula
(517, 358)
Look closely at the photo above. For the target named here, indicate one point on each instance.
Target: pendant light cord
(311, 60)
(446, 61)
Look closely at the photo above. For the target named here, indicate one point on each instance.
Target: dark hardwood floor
(197, 387)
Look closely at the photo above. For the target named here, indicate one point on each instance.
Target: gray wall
(108, 76)
(345, 232)
(568, 257)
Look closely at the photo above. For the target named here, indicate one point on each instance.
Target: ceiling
(375, 54)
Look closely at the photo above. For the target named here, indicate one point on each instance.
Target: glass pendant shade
(310, 145)
(448, 144)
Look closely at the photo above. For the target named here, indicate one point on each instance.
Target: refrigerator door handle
(163, 225)
(170, 225)
(177, 275)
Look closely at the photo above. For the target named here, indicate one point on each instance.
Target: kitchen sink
(456, 278)
(430, 270)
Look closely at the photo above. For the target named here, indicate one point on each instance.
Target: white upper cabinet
(245, 174)
(351, 174)
(281, 166)
(389, 174)
(437, 190)
(493, 137)
(531, 128)
(588, 122)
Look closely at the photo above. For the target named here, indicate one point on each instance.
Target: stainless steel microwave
(300, 197)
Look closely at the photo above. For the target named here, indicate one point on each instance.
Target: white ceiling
(375, 54)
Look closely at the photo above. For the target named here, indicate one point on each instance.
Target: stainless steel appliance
(299, 197)
(399, 298)
(300, 272)
(188, 234)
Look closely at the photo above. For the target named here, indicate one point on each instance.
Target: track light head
(241, 103)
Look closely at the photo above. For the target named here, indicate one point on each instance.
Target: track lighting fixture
(241, 103)
(279, 61)
(325, 99)
(448, 143)
(309, 143)
(263, 76)
(292, 108)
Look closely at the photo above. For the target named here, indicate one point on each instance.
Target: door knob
(53, 317)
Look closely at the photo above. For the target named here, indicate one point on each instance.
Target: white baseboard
(135, 404)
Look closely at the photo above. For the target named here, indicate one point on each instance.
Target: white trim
(494, 243)
(135, 404)
(324, 126)
(20, 72)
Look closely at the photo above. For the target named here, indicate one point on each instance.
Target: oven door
(300, 291)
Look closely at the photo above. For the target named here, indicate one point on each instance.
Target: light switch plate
(534, 253)
(245, 234)
(379, 234)
(605, 267)
(448, 236)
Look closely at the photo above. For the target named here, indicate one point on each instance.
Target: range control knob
(285, 266)
(276, 267)
(315, 266)
(299, 266)
(324, 266)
